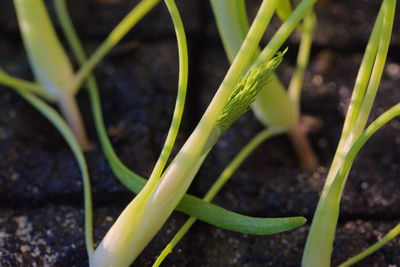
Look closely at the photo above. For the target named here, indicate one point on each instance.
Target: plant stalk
(146, 214)
(189, 204)
(386, 239)
(216, 187)
(49, 62)
(319, 243)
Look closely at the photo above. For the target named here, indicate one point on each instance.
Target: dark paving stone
(53, 236)
(342, 24)
(136, 92)
(97, 18)
(40, 184)
(222, 248)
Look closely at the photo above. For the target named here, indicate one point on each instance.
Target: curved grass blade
(386, 239)
(70, 138)
(181, 96)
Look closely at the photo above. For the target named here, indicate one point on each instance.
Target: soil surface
(41, 214)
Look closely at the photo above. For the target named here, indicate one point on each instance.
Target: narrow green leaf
(248, 225)
(386, 239)
(319, 245)
(69, 137)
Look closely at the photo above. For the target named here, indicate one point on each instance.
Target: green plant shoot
(319, 243)
(189, 204)
(23, 88)
(54, 73)
(381, 121)
(145, 215)
(386, 239)
(216, 187)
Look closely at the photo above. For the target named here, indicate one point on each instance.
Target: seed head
(245, 92)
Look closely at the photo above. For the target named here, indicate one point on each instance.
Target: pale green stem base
(222, 179)
(146, 214)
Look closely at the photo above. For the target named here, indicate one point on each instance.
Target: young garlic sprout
(319, 243)
(191, 205)
(169, 190)
(145, 215)
(49, 63)
(230, 26)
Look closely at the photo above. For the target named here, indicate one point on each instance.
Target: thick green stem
(48, 59)
(189, 204)
(49, 62)
(216, 187)
(145, 215)
(376, 125)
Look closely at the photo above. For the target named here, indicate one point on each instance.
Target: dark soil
(41, 215)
